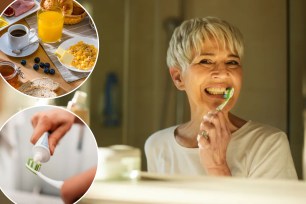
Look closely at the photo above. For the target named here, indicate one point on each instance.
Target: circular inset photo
(47, 155)
(47, 49)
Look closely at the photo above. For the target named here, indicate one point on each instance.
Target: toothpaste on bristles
(33, 166)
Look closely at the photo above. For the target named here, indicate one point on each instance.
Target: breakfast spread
(36, 71)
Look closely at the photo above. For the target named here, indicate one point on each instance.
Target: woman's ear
(176, 75)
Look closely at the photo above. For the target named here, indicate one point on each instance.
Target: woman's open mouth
(216, 91)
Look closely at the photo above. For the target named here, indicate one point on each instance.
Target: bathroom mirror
(134, 43)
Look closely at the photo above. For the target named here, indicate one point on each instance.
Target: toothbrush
(227, 95)
(31, 164)
(35, 167)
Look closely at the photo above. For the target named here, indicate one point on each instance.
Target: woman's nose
(220, 71)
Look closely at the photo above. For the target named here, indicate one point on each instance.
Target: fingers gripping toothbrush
(41, 154)
(227, 95)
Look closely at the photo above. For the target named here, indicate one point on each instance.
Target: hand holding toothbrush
(212, 150)
(55, 121)
(213, 139)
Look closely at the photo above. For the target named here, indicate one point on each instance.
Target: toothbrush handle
(54, 183)
(220, 107)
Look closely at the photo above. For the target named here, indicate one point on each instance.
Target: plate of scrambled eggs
(78, 54)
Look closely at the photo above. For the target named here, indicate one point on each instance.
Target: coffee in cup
(19, 36)
(18, 33)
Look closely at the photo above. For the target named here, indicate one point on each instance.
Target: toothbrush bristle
(33, 166)
(226, 94)
(229, 93)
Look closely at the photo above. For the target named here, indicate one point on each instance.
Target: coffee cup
(20, 36)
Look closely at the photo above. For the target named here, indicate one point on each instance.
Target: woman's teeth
(216, 90)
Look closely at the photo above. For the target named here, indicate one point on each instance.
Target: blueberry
(52, 71)
(23, 62)
(37, 60)
(42, 65)
(47, 65)
(36, 66)
(46, 70)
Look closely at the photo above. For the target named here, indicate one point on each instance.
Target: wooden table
(30, 73)
(4, 4)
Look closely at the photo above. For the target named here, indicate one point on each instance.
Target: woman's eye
(232, 63)
(205, 61)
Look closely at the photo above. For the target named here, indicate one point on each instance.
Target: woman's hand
(213, 140)
(55, 121)
(75, 187)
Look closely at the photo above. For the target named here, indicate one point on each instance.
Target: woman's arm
(75, 187)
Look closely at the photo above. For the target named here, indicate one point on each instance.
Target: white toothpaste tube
(41, 152)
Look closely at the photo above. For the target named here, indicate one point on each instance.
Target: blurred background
(130, 92)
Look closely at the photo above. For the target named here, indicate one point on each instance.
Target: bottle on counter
(78, 106)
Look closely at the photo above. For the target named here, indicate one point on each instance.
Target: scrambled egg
(3, 22)
(84, 54)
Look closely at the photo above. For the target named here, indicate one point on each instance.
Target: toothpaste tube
(41, 152)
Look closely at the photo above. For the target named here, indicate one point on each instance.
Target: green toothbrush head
(33, 166)
(228, 93)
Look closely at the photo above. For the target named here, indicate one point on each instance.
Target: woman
(204, 60)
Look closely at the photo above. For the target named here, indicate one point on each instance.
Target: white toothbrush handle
(220, 107)
(54, 183)
(231, 93)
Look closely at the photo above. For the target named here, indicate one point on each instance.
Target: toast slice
(41, 87)
(45, 82)
(40, 92)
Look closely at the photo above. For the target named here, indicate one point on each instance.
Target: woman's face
(209, 75)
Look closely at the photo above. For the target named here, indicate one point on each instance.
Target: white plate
(8, 51)
(13, 19)
(72, 41)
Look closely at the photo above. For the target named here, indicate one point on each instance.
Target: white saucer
(7, 50)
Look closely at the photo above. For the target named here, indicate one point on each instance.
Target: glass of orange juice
(50, 25)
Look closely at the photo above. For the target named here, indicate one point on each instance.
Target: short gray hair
(189, 38)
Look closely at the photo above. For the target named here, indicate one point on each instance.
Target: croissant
(65, 5)
(49, 4)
